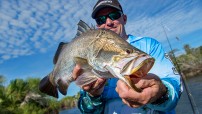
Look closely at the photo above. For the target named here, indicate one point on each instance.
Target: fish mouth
(132, 66)
(136, 67)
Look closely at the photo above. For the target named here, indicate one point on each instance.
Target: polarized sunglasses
(113, 16)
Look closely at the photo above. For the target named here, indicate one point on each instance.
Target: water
(195, 86)
(183, 107)
(71, 111)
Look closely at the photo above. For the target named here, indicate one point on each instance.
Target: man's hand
(95, 88)
(152, 89)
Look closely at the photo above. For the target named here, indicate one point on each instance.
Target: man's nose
(109, 22)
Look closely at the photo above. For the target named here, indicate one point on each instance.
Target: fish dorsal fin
(59, 50)
(82, 28)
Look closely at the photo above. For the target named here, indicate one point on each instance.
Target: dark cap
(105, 3)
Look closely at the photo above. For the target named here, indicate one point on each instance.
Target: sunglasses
(113, 16)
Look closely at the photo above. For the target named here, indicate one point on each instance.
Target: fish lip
(137, 66)
(143, 68)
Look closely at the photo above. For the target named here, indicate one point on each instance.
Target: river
(184, 106)
(195, 87)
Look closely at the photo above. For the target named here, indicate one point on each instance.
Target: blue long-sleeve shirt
(163, 68)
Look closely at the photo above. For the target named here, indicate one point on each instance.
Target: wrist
(163, 98)
(93, 96)
(96, 100)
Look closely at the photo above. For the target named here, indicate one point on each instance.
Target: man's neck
(124, 36)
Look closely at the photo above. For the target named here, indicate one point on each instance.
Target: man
(161, 88)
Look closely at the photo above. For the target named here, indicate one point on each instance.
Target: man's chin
(113, 29)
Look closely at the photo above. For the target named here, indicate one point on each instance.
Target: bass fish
(101, 53)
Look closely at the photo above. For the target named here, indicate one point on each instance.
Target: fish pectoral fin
(62, 86)
(81, 61)
(85, 78)
(47, 87)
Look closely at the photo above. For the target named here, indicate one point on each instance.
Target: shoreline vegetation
(23, 96)
(190, 63)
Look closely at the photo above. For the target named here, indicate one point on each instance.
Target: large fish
(101, 53)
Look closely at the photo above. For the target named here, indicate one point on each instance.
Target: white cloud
(177, 17)
(28, 27)
(6, 57)
(35, 26)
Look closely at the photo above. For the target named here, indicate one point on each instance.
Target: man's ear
(125, 18)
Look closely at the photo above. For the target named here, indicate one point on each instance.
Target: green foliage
(17, 90)
(187, 49)
(53, 103)
(33, 84)
(69, 101)
(23, 97)
(191, 62)
(2, 80)
(32, 108)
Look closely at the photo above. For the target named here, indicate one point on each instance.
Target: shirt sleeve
(164, 68)
(90, 105)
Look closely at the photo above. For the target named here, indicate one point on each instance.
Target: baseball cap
(105, 3)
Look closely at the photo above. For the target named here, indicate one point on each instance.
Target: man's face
(114, 25)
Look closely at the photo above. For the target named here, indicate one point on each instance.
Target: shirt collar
(132, 38)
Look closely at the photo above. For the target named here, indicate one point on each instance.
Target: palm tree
(15, 93)
(17, 90)
(5, 102)
(33, 84)
(2, 92)
(2, 79)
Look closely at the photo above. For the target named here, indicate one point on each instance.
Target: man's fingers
(76, 71)
(94, 85)
(88, 87)
(95, 88)
(148, 81)
(122, 86)
(99, 83)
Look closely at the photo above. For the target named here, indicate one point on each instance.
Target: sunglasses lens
(101, 20)
(114, 15)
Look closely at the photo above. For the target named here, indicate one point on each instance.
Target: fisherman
(161, 87)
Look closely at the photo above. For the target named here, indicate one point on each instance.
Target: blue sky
(30, 30)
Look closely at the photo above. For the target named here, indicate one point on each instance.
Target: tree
(191, 62)
(17, 90)
(187, 49)
(2, 80)
(33, 84)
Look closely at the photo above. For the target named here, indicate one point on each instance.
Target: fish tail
(63, 85)
(47, 87)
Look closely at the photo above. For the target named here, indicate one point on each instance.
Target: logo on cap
(103, 2)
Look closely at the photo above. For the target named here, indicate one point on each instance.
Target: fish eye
(128, 51)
